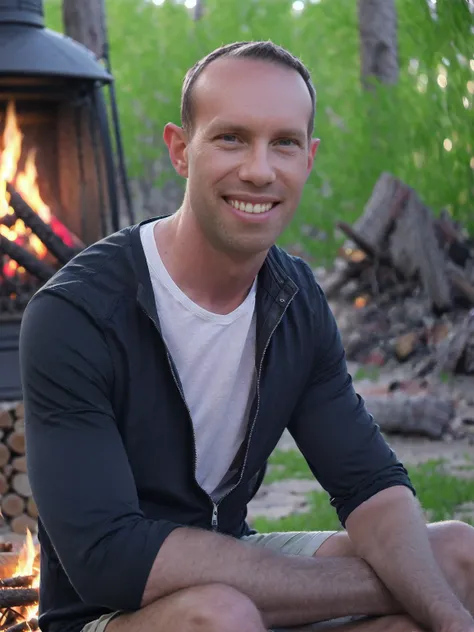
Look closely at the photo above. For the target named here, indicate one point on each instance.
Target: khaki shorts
(290, 543)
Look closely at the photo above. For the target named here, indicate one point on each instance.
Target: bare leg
(211, 608)
(218, 608)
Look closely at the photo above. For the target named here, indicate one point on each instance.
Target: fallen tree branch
(423, 414)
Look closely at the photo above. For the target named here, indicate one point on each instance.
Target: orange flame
(26, 566)
(26, 183)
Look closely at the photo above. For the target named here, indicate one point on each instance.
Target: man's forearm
(389, 532)
(287, 590)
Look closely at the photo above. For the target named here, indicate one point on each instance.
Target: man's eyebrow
(228, 126)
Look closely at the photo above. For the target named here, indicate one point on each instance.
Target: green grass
(439, 492)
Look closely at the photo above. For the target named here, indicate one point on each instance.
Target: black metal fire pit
(52, 93)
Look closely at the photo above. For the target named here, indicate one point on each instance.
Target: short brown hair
(263, 51)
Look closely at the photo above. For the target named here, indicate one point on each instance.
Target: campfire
(33, 242)
(19, 593)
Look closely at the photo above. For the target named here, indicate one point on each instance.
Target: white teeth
(250, 208)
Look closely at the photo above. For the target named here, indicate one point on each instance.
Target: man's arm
(77, 465)
(348, 454)
(88, 504)
(288, 590)
(389, 532)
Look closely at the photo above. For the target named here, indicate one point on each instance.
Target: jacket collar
(275, 288)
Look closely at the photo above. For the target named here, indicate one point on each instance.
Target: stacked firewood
(16, 502)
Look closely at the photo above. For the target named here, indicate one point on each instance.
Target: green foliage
(400, 129)
(440, 493)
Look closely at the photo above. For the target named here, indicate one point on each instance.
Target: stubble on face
(249, 144)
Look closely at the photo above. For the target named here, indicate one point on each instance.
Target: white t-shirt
(215, 358)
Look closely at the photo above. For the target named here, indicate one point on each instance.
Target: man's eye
(288, 142)
(228, 138)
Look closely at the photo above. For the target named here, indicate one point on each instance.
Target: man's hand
(389, 532)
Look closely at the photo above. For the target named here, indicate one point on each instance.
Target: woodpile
(409, 277)
(402, 291)
(16, 502)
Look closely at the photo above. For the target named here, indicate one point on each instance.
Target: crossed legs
(220, 608)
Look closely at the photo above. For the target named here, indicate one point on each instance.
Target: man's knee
(210, 608)
(220, 608)
(453, 543)
(454, 540)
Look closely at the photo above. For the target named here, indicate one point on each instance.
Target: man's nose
(256, 168)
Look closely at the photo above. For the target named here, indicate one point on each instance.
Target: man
(160, 368)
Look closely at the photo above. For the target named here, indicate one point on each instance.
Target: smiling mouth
(248, 207)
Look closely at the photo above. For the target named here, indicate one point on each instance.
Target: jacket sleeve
(77, 465)
(338, 437)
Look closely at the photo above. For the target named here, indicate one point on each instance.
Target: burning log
(24, 626)
(25, 259)
(43, 231)
(16, 597)
(17, 582)
(8, 220)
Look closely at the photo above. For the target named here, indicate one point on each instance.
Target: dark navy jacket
(110, 444)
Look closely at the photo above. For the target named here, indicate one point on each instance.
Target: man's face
(249, 155)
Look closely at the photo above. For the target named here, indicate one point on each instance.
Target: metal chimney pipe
(27, 12)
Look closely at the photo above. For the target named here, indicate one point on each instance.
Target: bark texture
(83, 23)
(378, 41)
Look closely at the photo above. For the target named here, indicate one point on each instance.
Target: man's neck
(211, 278)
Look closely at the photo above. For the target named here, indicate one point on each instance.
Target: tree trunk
(198, 10)
(378, 41)
(83, 22)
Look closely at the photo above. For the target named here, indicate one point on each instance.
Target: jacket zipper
(215, 506)
(244, 463)
(180, 390)
(178, 386)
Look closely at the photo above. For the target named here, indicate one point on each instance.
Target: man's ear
(313, 147)
(176, 140)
